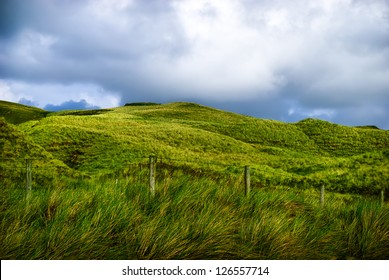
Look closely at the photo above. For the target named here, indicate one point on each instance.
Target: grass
(189, 218)
(17, 113)
(90, 198)
(15, 147)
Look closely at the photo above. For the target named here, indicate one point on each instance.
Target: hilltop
(307, 153)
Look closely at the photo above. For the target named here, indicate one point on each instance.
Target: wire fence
(21, 170)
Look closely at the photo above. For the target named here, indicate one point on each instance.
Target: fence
(152, 168)
(19, 171)
(27, 167)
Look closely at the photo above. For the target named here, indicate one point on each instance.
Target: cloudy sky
(284, 60)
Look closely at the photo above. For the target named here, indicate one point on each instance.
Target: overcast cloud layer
(285, 60)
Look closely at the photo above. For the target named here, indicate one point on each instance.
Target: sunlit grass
(188, 218)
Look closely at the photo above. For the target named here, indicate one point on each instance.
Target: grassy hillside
(90, 197)
(309, 153)
(16, 147)
(342, 140)
(17, 113)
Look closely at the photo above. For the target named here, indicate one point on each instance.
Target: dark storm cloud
(272, 59)
(86, 41)
(9, 19)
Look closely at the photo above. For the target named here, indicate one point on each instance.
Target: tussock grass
(189, 218)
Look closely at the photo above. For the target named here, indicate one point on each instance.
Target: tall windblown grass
(188, 218)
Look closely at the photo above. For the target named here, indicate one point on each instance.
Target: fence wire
(20, 169)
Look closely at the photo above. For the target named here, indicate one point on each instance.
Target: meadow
(90, 197)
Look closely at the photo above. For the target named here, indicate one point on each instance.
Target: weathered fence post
(152, 175)
(247, 179)
(28, 176)
(382, 196)
(322, 195)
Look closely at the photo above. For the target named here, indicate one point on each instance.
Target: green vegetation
(189, 218)
(15, 147)
(306, 154)
(18, 113)
(80, 112)
(90, 198)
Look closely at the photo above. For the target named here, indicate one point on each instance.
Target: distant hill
(343, 140)
(307, 153)
(368, 127)
(17, 113)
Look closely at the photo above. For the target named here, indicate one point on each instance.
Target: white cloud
(6, 92)
(316, 113)
(237, 51)
(43, 94)
(311, 113)
(32, 47)
(227, 59)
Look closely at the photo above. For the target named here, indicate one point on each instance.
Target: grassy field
(90, 197)
(189, 218)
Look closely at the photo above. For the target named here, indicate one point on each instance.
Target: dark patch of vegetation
(368, 127)
(82, 112)
(142, 104)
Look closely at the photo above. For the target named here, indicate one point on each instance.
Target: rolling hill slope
(17, 113)
(308, 153)
(342, 140)
(90, 195)
(16, 147)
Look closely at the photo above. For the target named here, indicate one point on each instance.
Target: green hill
(342, 140)
(90, 196)
(17, 113)
(308, 153)
(16, 147)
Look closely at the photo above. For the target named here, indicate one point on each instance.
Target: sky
(273, 59)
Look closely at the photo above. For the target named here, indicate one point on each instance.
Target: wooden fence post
(152, 175)
(382, 196)
(322, 195)
(247, 179)
(28, 176)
